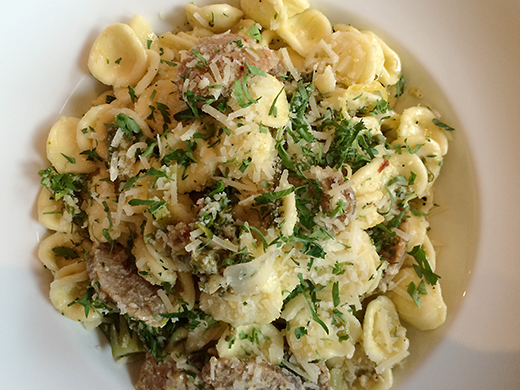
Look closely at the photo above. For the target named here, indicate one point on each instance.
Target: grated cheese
(219, 116)
(288, 64)
(226, 244)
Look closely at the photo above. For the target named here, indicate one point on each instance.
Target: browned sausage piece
(349, 209)
(224, 374)
(116, 280)
(328, 179)
(162, 376)
(229, 54)
(395, 258)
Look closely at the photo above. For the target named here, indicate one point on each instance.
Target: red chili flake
(383, 165)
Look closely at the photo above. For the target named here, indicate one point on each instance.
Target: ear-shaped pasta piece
(143, 30)
(294, 7)
(404, 164)
(265, 12)
(71, 283)
(253, 145)
(309, 340)
(217, 18)
(391, 69)
(197, 174)
(117, 56)
(62, 249)
(178, 42)
(52, 213)
(158, 104)
(203, 334)
(416, 227)
(101, 209)
(304, 30)
(260, 308)
(417, 124)
(260, 302)
(62, 148)
(384, 338)
(152, 266)
(272, 108)
(252, 340)
(361, 263)
(356, 97)
(92, 130)
(271, 14)
(432, 312)
(371, 178)
(360, 59)
(371, 92)
(367, 211)
(427, 149)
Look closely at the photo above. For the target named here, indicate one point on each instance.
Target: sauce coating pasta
(243, 205)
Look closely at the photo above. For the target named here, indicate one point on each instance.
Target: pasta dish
(244, 205)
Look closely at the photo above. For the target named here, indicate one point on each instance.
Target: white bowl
(465, 57)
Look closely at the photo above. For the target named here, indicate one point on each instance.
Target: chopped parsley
(245, 164)
(65, 252)
(182, 157)
(199, 57)
(72, 160)
(62, 184)
(414, 292)
(297, 108)
(127, 125)
(274, 110)
(92, 155)
(300, 332)
(131, 92)
(399, 87)
(268, 197)
(422, 268)
(254, 33)
(253, 70)
(381, 107)
(442, 125)
(153, 205)
(335, 294)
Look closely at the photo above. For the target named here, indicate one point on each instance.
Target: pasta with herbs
(243, 205)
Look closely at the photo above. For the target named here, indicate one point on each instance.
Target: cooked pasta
(244, 205)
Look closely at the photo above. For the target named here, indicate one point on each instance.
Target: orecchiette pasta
(62, 249)
(252, 340)
(63, 151)
(432, 310)
(118, 57)
(384, 338)
(304, 30)
(273, 13)
(217, 18)
(362, 57)
(52, 213)
(70, 283)
(244, 203)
